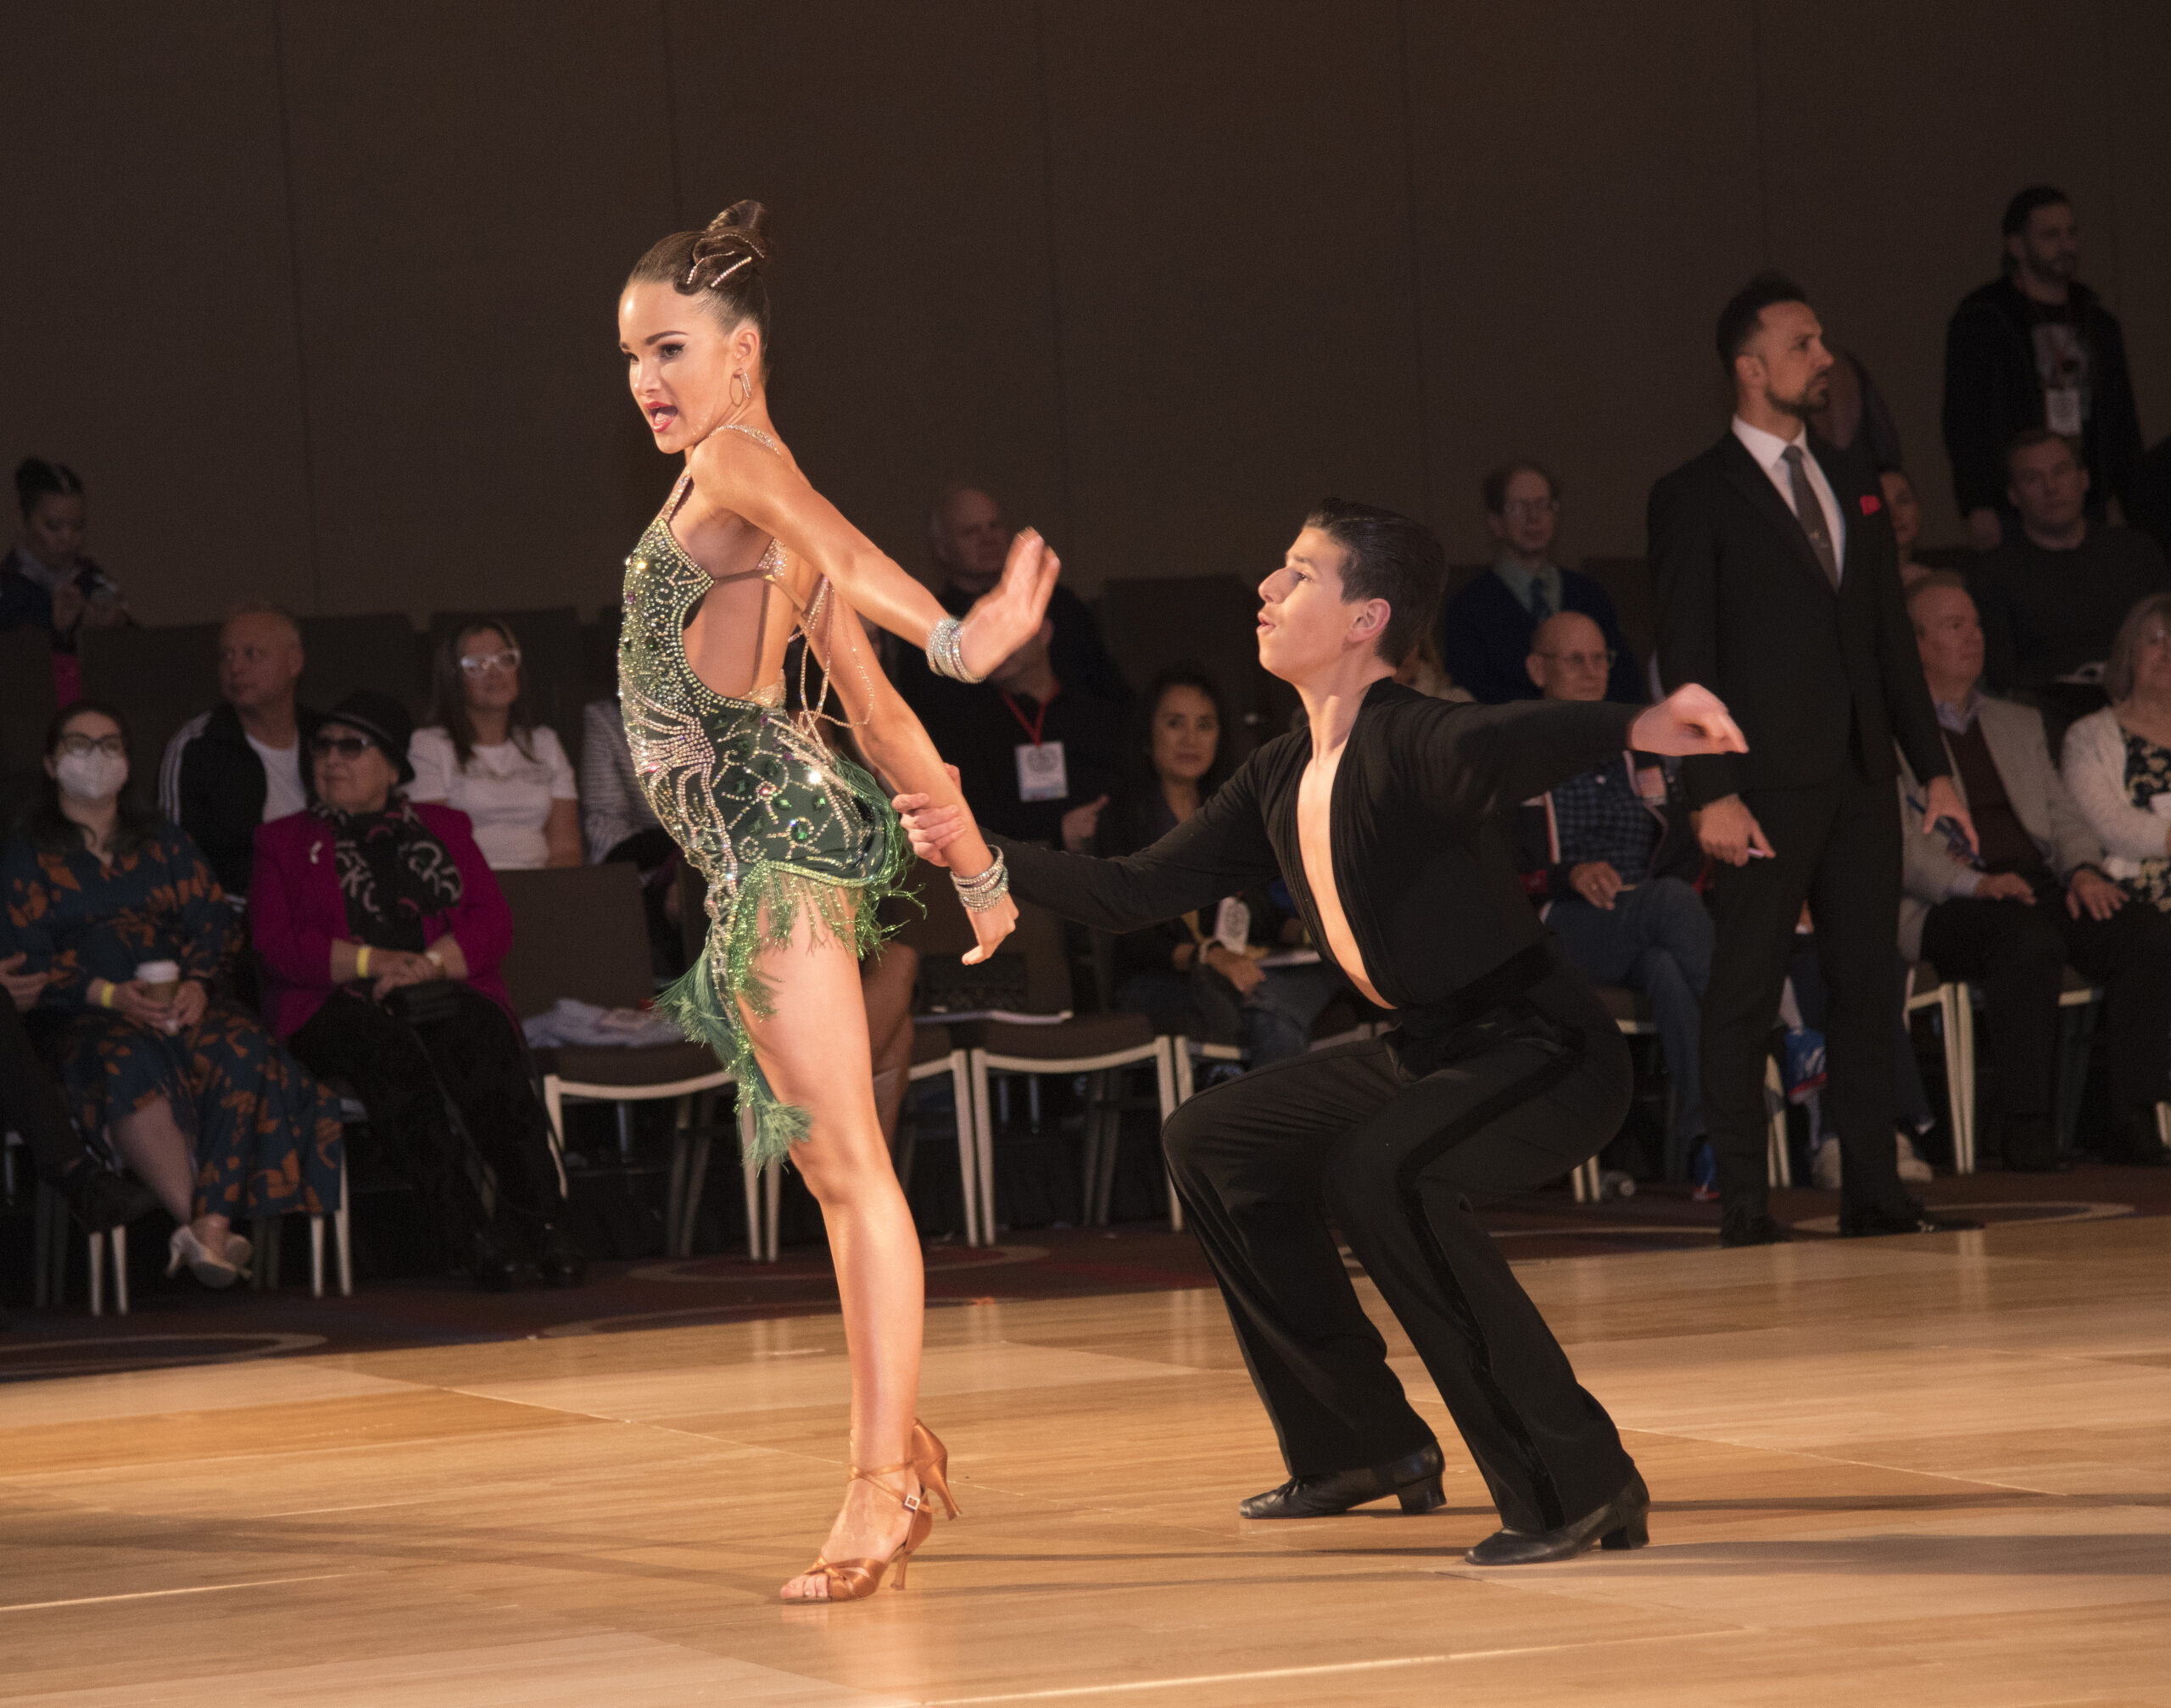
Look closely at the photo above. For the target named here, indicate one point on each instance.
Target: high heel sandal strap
(911, 1503)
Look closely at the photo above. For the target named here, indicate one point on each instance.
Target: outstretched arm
(895, 744)
(735, 473)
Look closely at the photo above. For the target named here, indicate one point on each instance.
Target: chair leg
(46, 1287)
(118, 1236)
(773, 1206)
(674, 1195)
(554, 1105)
(265, 1271)
(1089, 1165)
(1955, 1021)
(98, 1274)
(968, 1183)
(1104, 1187)
(316, 1256)
(1586, 1183)
(697, 1180)
(1778, 1168)
(342, 1235)
(1165, 1053)
(984, 1146)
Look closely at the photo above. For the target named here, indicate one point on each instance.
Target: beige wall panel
(1888, 169)
(146, 330)
(1587, 198)
(900, 152)
(473, 182)
(1232, 245)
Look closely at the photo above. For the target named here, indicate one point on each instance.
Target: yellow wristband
(105, 996)
(362, 962)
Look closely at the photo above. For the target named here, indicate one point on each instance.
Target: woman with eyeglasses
(381, 929)
(483, 753)
(121, 912)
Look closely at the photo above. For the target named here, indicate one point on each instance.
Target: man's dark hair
(1387, 557)
(2030, 438)
(1496, 483)
(1744, 314)
(2023, 206)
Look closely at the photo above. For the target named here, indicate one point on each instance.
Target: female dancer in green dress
(798, 846)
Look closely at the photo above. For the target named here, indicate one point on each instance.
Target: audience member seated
(30, 1105)
(969, 537)
(1175, 760)
(2117, 762)
(45, 580)
(122, 914)
(381, 928)
(2034, 897)
(1905, 510)
(484, 753)
(2051, 599)
(618, 827)
(1035, 758)
(1610, 859)
(241, 764)
(1486, 628)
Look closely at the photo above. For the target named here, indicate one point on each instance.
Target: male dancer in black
(1504, 1070)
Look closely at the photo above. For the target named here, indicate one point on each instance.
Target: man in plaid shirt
(1611, 862)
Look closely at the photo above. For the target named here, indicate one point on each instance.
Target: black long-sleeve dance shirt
(1420, 859)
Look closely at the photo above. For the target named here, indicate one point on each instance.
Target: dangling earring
(742, 389)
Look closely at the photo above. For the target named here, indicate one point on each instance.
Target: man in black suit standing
(1779, 587)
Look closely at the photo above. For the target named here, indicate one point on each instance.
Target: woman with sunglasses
(120, 913)
(381, 929)
(483, 753)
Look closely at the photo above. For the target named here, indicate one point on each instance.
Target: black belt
(1519, 972)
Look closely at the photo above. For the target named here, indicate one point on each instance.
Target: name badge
(1232, 920)
(1041, 774)
(2061, 411)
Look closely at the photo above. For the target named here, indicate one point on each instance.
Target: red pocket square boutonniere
(1872, 504)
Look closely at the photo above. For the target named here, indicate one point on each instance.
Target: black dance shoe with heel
(1413, 1479)
(1621, 1523)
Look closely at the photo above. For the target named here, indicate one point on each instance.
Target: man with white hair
(243, 764)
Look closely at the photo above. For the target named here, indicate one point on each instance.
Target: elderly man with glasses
(1485, 630)
(1609, 860)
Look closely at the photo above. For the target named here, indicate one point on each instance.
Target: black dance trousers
(475, 1056)
(1386, 1139)
(29, 1100)
(1837, 846)
(2019, 955)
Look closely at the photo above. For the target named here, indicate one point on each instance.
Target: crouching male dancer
(1503, 1072)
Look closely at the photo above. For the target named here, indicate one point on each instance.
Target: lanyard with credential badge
(1042, 775)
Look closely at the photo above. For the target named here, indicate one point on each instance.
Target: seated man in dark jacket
(1485, 630)
(1611, 860)
(242, 765)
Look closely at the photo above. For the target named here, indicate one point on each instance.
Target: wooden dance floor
(1930, 1470)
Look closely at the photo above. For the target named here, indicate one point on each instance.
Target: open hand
(1007, 616)
(2094, 892)
(2005, 886)
(1690, 720)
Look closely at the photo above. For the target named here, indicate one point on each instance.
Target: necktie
(1541, 607)
(1811, 515)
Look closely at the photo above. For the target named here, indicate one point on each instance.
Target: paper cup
(161, 978)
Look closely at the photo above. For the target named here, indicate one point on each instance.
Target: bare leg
(886, 978)
(156, 1150)
(813, 1051)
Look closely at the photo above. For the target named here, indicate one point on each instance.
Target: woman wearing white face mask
(211, 1115)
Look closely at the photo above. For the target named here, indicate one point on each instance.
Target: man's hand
(1690, 720)
(1006, 618)
(1984, 530)
(1727, 830)
(932, 830)
(1943, 802)
(1079, 823)
(1239, 970)
(2091, 890)
(25, 988)
(1596, 882)
(2004, 886)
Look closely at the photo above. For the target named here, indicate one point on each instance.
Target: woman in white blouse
(483, 752)
(2118, 761)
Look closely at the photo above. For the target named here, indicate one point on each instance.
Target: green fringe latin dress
(777, 824)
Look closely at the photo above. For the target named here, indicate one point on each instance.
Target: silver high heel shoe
(184, 1247)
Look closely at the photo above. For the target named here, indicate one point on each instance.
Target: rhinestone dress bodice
(778, 825)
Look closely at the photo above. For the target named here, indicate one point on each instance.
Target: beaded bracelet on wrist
(946, 651)
(983, 890)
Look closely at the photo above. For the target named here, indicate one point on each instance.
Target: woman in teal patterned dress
(798, 846)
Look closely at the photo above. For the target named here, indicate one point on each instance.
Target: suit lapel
(1754, 485)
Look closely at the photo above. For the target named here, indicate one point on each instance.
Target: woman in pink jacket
(381, 929)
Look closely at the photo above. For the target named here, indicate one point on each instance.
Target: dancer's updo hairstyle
(726, 261)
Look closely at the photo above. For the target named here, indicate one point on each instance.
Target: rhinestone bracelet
(983, 890)
(946, 651)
